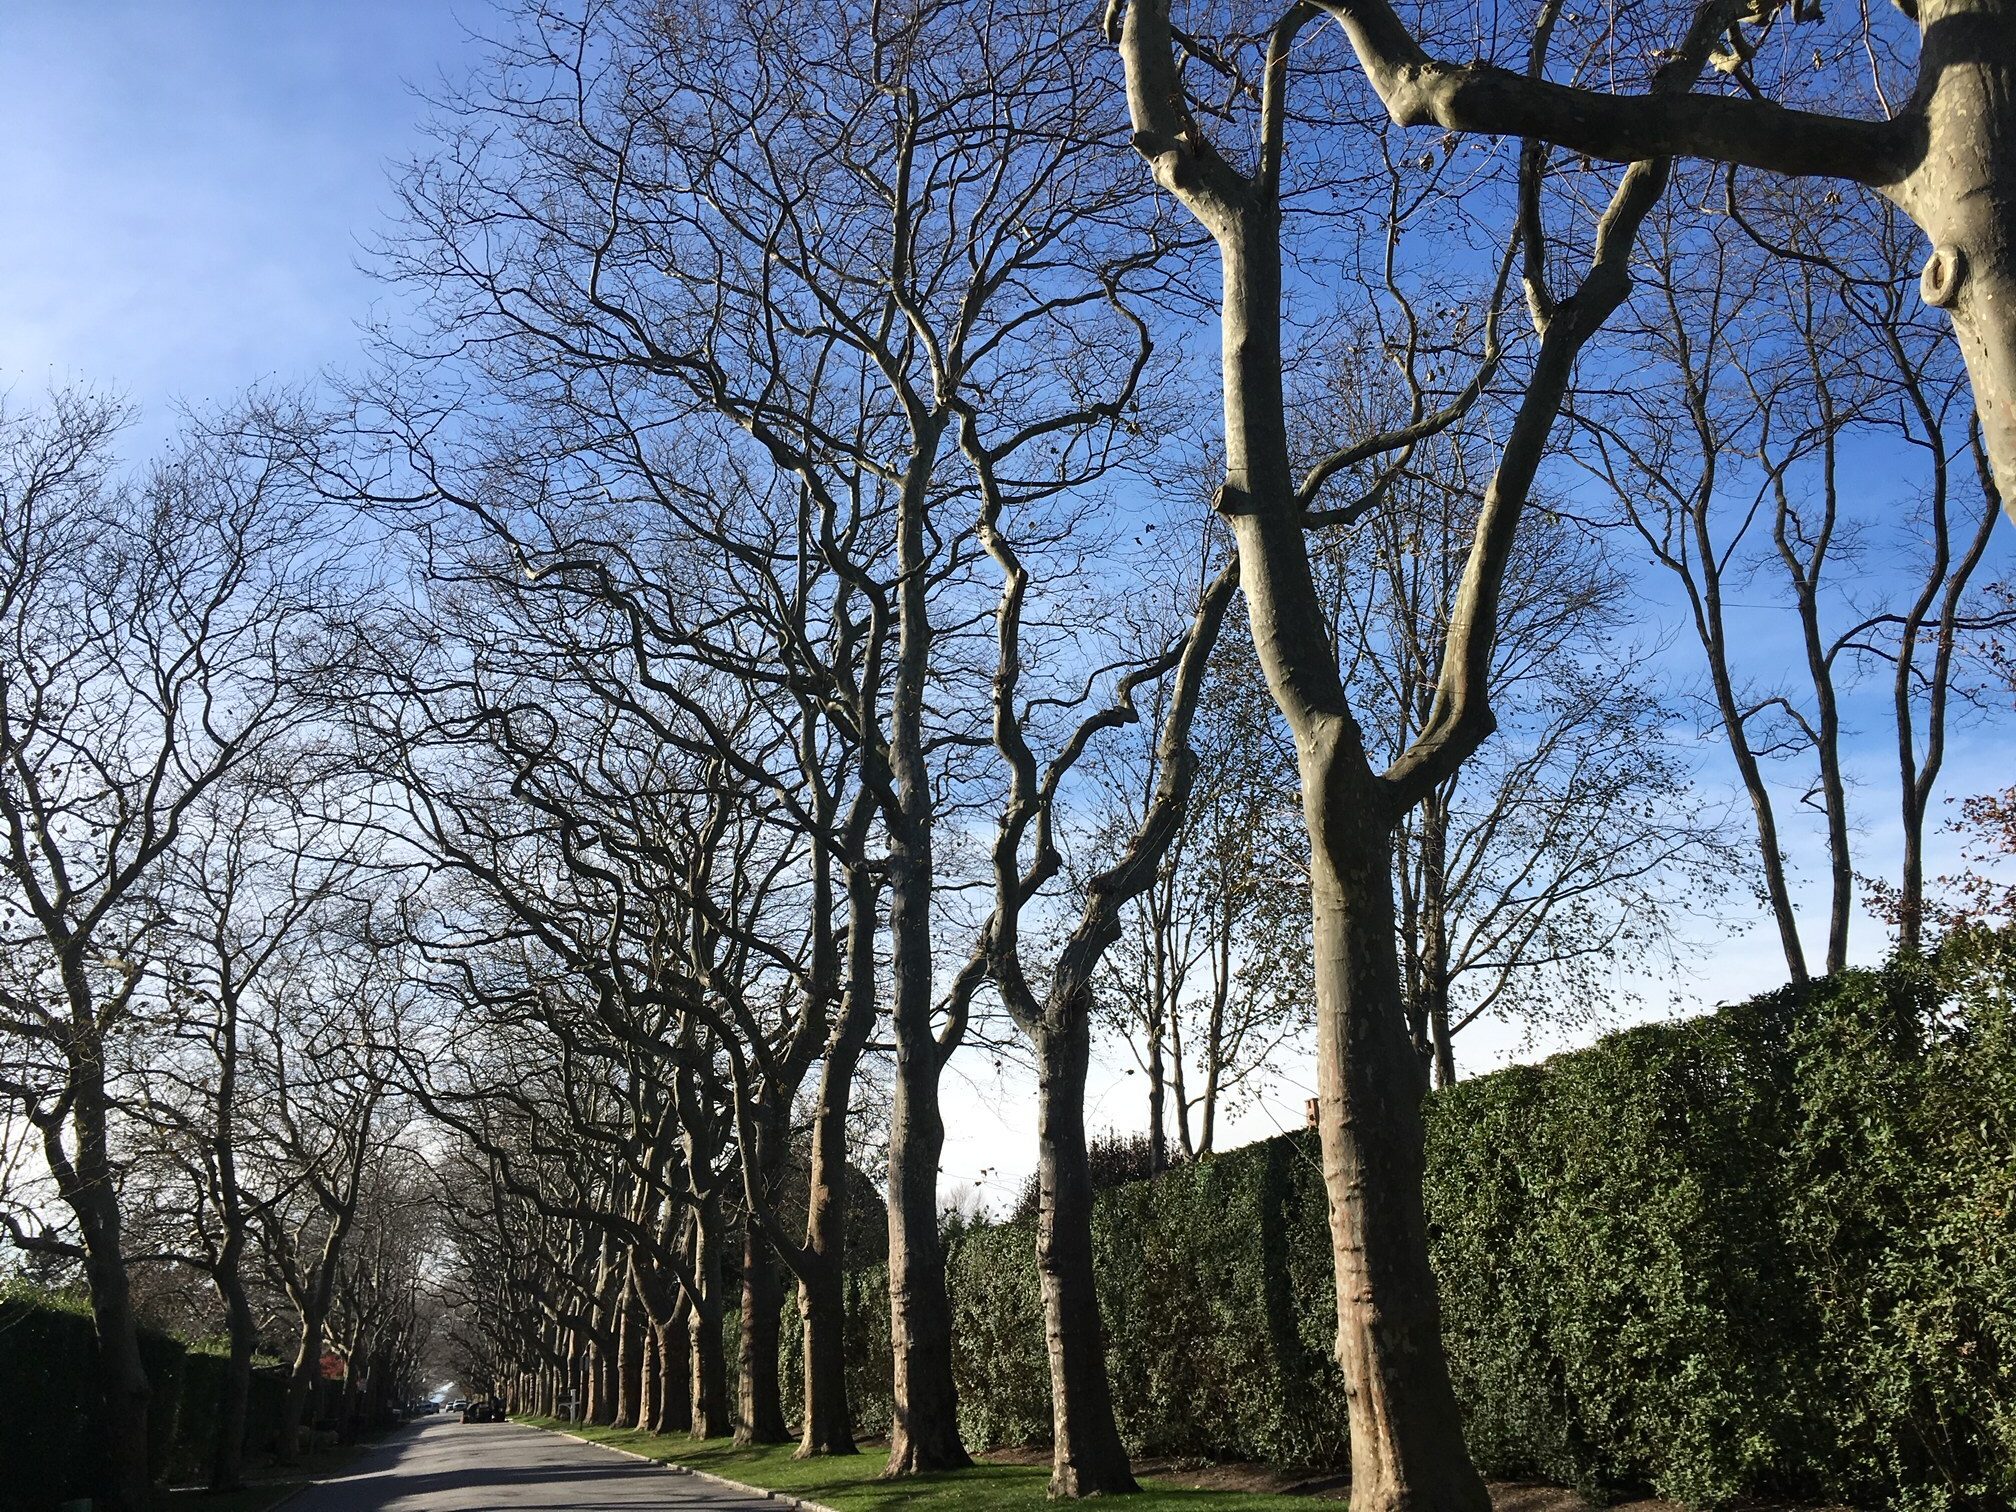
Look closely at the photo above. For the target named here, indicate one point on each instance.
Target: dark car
(484, 1411)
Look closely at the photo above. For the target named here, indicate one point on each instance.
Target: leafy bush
(48, 1384)
(1768, 1251)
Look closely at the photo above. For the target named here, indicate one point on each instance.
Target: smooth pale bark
(1407, 1449)
(648, 1378)
(1088, 1457)
(1406, 1432)
(630, 1334)
(1961, 191)
(1948, 160)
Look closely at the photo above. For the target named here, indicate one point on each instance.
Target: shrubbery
(47, 1382)
(1767, 1251)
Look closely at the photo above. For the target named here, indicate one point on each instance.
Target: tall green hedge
(1769, 1251)
(47, 1385)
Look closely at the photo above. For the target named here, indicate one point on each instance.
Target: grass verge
(850, 1483)
(253, 1498)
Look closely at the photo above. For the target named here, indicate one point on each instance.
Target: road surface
(443, 1465)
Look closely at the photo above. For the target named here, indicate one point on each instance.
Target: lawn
(850, 1483)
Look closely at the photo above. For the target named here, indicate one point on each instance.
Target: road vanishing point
(439, 1465)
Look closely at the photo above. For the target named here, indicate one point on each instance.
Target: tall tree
(157, 630)
(1789, 355)
(1406, 1435)
(978, 247)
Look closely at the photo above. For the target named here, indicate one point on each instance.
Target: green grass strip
(851, 1483)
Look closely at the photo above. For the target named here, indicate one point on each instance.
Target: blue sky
(190, 188)
(189, 184)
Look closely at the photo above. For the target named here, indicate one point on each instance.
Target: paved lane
(441, 1465)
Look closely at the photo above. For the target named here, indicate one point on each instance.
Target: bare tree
(1788, 344)
(1209, 981)
(971, 271)
(1405, 1430)
(1087, 1456)
(158, 633)
(260, 873)
(331, 1057)
(1575, 838)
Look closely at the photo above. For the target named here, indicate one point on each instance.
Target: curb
(783, 1499)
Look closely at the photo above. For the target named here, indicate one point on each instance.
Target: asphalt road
(444, 1465)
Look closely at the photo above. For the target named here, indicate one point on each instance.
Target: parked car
(485, 1411)
(459, 1404)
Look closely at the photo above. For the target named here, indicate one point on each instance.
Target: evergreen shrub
(1766, 1252)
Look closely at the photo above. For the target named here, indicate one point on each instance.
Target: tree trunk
(925, 1433)
(227, 1461)
(759, 1402)
(675, 1383)
(1962, 195)
(1434, 949)
(1087, 1456)
(630, 1331)
(1404, 1419)
(86, 1185)
(827, 1425)
(1407, 1449)
(120, 1449)
(711, 1415)
(822, 1308)
(1160, 1011)
(648, 1379)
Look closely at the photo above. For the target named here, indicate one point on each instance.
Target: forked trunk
(1407, 1450)
(1087, 1456)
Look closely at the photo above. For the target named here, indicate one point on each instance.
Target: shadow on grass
(852, 1483)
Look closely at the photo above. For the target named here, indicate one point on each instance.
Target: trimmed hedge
(1771, 1251)
(47, 1386)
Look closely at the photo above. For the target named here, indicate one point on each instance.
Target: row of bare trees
(756, 634)
(195, 996)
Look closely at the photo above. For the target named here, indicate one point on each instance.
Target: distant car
(459, 1404)
(483, 1412)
